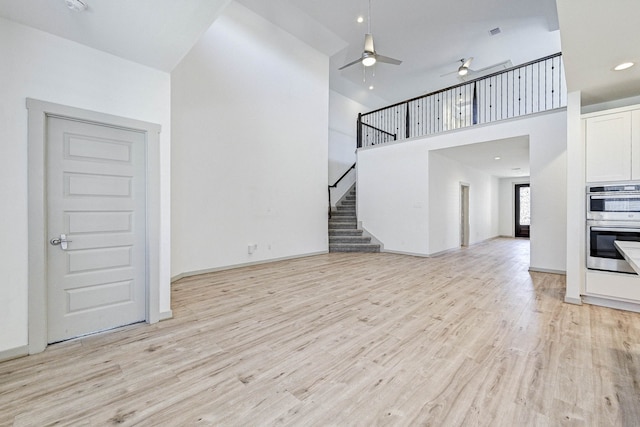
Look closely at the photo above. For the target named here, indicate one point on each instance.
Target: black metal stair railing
(525, 89)
(335, 184)
(373, 134)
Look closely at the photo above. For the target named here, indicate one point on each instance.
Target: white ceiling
(596, 36)
(513, 156)
(429, 36)
(156, 33)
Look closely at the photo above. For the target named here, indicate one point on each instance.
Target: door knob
(62, 241)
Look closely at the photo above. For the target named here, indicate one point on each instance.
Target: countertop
(631, 252)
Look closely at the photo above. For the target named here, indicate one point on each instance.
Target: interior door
(464, 215)
(523, 210)
(96, 226)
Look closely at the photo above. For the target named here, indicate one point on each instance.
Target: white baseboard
(403, 253)
(246, 264)
(165, 315)
(14, 353)
(572, 300)
(547, 270)
(611, 303)
(446, 251)
(458, 248)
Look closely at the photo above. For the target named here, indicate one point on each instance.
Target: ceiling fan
(369, 55)
(464, 68)
(464, 71)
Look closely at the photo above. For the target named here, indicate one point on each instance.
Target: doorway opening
(522, 210)
(464, 214)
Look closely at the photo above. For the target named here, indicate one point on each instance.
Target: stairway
(344, 236)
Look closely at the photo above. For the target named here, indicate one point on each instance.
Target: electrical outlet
(252, 248)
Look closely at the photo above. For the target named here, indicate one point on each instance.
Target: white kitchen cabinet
(613, 286)
(635, 145)
(608, 139)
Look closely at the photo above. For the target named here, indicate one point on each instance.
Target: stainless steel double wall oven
(613, 213)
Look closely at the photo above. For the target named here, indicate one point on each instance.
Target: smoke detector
(76, 5)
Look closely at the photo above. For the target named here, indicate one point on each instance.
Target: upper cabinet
(612, 145)
(635, 145)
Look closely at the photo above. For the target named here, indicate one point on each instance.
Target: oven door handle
(616, 229)
(616, 196)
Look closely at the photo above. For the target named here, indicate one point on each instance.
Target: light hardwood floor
(468, 338)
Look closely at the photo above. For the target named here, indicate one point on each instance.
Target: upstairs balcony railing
(525, 89)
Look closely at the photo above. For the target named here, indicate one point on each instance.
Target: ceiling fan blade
(368, 43)
(387, 60)
(449, 73)
(496, 67)
(467, 62)
(357, 61)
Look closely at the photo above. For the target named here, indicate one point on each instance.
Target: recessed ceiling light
(497, 158)
(360, 20)
(623, 66)
(371, 87)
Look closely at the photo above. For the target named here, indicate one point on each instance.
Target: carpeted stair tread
(344, 232)
(349, 239)
(344, 236)
(347, 247)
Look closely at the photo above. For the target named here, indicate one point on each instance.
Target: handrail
(360, 124)
(353, 166)
(520, 90)
(394, 135)
(506, 70)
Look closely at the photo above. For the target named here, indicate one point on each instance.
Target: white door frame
(465, 203)
(38, 236)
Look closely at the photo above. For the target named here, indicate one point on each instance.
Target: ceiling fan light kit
(368, 59)
(76, 5)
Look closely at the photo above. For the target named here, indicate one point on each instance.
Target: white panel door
(96, 199)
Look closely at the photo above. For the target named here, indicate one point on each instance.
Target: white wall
(506, 225)
(576, 203)
(250, 129)
(393, 195)
(445, 178)
(38, 65)
(343, 115)
(393, 188)
(548, 173)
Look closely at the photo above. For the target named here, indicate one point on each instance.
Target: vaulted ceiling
(156, 33)
(429, 36)
(596, 36)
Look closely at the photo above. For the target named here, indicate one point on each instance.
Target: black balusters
(483, 100)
